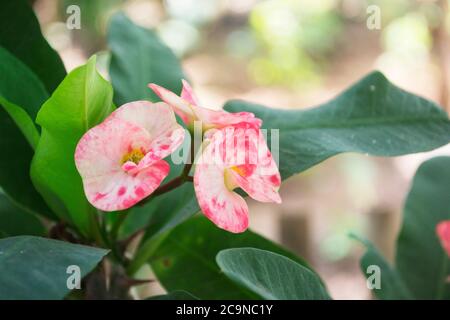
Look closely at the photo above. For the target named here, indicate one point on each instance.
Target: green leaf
(21, 35)
(184, 260)
(80, 102)
(420, 257)
(392, 286)
(270, 275)
(373, 116)
(138, 57)
(162, 213)
(175, 295)
(421, 266)
(36, 268)
(14, 221)
(18, 134)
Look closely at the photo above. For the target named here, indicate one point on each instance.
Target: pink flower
(443, 232)
(187, 107)
(235, 157)
(120, 160)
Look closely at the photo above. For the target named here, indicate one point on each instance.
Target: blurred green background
(293, 54)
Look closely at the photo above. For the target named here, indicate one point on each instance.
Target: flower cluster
(121, 160)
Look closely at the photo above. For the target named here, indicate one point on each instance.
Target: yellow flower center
(230, 181)
(134, 155)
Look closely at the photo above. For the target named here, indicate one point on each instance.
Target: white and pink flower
(120, 160)
(235, 157)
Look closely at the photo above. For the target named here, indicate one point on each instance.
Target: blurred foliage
(283, 42)
(294, 36)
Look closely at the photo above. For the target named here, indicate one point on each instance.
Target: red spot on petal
(164, 147)
(121, 191)
(275, 179)
(98, 196)
(139, 192)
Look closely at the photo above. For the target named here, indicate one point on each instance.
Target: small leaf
(15, 221)
(138, 57)
(21, 35)
(193, 246)
(270, 275)
(392, 286)
(80, 102)
(372, 117)
(36, 268)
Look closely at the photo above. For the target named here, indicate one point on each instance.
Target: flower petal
(187, 93)
(187, 108)
(159, 121)
(243, 150)
(121, 190)
(443, 232)
(263, 182)
(180, 106)
(225, 208)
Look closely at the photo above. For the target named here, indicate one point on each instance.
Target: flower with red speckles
(443, 232)
(235, 157)
(120, 160)
(187, 107)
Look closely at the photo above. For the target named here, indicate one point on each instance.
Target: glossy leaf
(193, 246)
(420, 258)
(18, 133)
(21, 35)
(138, 57)
(82, 101)
(372, 117)
(15, 221)
(270, 275)
(37, 268)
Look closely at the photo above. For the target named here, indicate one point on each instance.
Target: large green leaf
(270, 275)
(80, 102)
(420, 258)
(138, 57)
(14, 221)
(422, 266)
(18, 134)
(184, 260)
(21, 35)
(373, 116)
(36, 268)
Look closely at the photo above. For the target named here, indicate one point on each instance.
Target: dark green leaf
(373, 116)
(184, 260)
(392, 286)
(420, 258)
(270, 275)
(21, 35)
(138, 57)
(14, 221)
(422, 266)
(36, 268)
(18, 134)
(80, 102)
